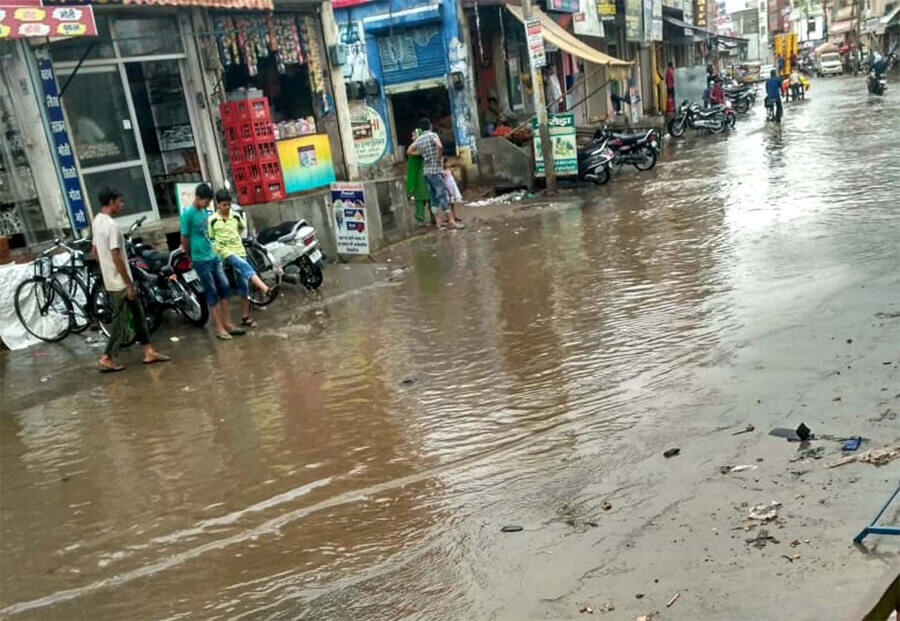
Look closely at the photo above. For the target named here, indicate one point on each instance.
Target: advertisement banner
(647, 17)
(535, 39)
(62, 148)
(565, 149)
(348, 208)
(633, 22)
(587, 20)
(563, 6)
(35, 21)
(657, 32)
(305, 162)
(369, 133)
(606, 9)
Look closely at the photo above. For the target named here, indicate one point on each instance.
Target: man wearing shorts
(225, 229)
(429, 146)
(195, 241)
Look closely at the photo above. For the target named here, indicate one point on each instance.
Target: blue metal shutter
(411, 54)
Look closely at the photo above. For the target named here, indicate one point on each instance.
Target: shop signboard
(700, 13)
(606, 9)
(565, 149)
(657, 32)
(587, 20)
(348, 207)
(305, 162)
(633, 22)
(369, 133)
(338, 4)
(563, 6)
(535, 40)
(20, 21)
(647, 17)
(62, 148)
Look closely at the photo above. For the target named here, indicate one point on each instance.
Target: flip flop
(237, 332)
(107, 368)
(223, 337)
(157, 358)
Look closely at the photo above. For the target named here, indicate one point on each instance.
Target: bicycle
(78, 277)
(55, 317)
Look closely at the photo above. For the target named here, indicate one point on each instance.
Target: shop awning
(826, 48)
(261, 5)
(683, 24)
(428, 14)
(891, 17)
(841, 27)
(554, 33)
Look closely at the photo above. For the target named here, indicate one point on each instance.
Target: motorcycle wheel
(602, 177)
(676, 127)
(192, 304)
(718, 127)
(266, 272)
(648, 162)
(742, 106)
(310, 275)
(731, 120)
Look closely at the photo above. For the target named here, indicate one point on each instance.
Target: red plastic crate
(271, 172)
(274, 190)
(250, 193)
(245, 111)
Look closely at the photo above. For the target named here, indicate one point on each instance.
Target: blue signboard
(62, 148)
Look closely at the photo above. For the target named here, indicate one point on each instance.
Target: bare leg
(245, 307)
(451, 221)
(225, 316)
(257, 282)
(216, 313)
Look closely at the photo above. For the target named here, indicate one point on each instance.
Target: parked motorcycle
(163, 280)
(295, 248)
(594, 161)
(639, 150)
(742, 98)
(692, 116)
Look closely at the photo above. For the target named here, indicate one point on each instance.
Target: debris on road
(511, 528)
(761, 539)
(672, 452)
(804, 433)
(852, 444)
(877, 457)
(174, 339)
(764, 513)
(673, 600)
(647, 617)
(812, 453)
(791, 558)
(741, 468)
(510, 197)
(606, 506)
(746, 429)
(587, 609)
(409, 381)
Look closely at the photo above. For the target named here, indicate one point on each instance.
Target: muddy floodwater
(357, 455)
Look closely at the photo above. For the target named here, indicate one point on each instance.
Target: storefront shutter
(411, 54)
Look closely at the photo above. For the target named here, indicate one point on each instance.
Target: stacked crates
(250, 138)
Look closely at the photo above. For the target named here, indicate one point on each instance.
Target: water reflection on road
(358, 458)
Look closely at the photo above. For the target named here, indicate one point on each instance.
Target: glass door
(104, 133)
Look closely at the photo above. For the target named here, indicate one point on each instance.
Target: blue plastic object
(873, 528)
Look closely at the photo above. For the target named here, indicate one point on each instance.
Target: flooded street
(357, 455)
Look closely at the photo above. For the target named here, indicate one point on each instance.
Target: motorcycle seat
(627, 138)
(155, 259)
(273, 233)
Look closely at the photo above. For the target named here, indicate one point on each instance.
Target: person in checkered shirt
(428, 145)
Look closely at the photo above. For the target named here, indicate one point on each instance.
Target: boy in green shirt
(225, 229)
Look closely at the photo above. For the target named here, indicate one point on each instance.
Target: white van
(829, 63)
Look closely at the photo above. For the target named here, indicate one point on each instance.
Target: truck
(829, 63)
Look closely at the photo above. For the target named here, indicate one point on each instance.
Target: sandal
(109, 368)
(237, 332)
(157, 358)
(223, 336)
(248, 322)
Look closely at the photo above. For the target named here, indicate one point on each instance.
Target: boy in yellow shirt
(225, 229)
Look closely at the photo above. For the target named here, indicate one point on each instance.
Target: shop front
(129, 122)
(404, 62)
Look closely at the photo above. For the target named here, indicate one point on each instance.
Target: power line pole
(540, 109)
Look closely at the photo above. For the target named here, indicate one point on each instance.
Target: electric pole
(540, 109)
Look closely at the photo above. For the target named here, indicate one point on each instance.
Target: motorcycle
(594, 161)
(640, 150)
(163, 280)
(295, 248)
(742, 98)
(876, 84)
(692, 116)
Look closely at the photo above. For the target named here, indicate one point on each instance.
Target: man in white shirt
(109, 250)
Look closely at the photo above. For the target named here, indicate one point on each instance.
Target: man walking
(773, 94)
(109, 250)
(195, 241)
(429, 146)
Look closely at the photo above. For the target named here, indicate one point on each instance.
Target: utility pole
(540, 109)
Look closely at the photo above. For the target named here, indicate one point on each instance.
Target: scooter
(295, 248)
(595, 161)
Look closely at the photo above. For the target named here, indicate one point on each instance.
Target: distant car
(765, 71)
(829, 64)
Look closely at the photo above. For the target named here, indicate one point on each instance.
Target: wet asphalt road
(356, 456)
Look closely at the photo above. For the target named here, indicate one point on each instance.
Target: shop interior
(433, 103)
(164, 124)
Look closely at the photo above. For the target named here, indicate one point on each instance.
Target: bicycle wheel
(103, 312)
(77, 291)
(44, 309)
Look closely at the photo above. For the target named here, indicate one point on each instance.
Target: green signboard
(565, 149)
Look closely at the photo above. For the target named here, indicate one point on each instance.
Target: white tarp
(12, 332)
